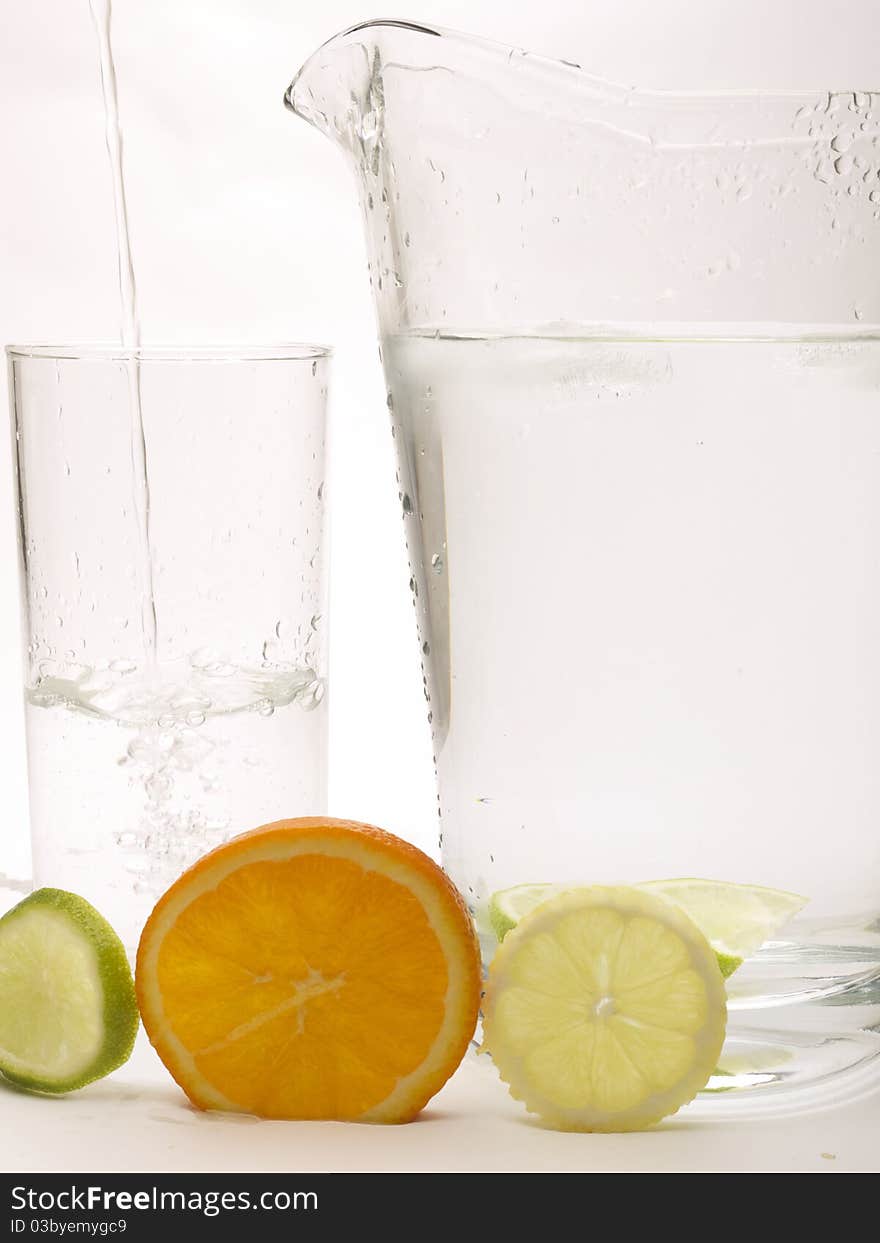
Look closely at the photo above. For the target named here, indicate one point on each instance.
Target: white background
(245, 228)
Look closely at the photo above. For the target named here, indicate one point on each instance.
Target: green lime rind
(68, 1011)
(728, 963)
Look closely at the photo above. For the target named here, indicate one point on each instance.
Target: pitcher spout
(339, 88)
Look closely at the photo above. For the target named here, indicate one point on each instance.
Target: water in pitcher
(626, 566)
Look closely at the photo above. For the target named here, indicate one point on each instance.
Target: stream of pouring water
(101, 11)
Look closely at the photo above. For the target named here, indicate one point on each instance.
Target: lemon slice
(604, 1010)
(68, 1013)
(736, 919)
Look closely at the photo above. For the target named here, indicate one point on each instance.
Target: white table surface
(138, 1121)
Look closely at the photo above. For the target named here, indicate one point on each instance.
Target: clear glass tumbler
(170, 516)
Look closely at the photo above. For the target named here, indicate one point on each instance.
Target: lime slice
(604, 1010)
(736, 919)
(68, 1013)
(508, 906)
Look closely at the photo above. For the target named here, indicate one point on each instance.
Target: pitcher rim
(659, 94)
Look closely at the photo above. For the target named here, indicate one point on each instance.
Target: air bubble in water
(157, 786)
(266, 707)
(122, 666)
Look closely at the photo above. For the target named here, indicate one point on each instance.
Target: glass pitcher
(633, 363)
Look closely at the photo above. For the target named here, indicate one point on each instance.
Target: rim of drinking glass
(110, 352)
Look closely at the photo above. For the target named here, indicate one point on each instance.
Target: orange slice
(313, 968)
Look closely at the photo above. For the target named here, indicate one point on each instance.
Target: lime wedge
(68, 1013)
(604, 1009)
(736, 919)
(508, 906)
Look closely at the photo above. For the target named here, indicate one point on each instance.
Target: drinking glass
(171, 531)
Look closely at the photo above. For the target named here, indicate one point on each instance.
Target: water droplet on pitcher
(407, 504)
(195, 718)
(312, 695)
(843, 165)
(406, 239)
(266, 707)
(437, 563)
(426, 648)
(315, 621)
(122, 666)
